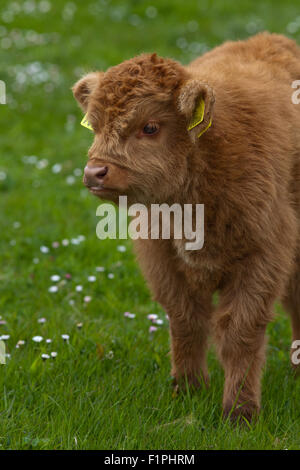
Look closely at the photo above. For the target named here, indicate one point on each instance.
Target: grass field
(108, 387)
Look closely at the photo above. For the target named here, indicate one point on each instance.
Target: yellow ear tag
(204, 130)
(198, 118)
(85, 123)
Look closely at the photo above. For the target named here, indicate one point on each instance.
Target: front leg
(188, 309)
(189, 329)
(246, 305)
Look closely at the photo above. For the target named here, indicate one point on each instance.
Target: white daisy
(70, 179)
(57, 168)
(152, 316)
(152, 329)
(129, 315)
(37, 339)
(53, 289)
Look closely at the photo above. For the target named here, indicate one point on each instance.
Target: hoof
(191, 383)
(241, 413)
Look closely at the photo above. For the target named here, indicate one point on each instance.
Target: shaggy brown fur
(245, 169)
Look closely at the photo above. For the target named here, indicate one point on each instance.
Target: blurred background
(107, 386)
(46, 45)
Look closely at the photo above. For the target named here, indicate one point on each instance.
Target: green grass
(89, 397)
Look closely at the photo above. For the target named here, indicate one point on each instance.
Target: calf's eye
(150, 128)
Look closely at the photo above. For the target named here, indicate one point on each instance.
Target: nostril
(93, 176)
(101, 172)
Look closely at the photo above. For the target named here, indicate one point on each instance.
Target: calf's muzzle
(94, 176)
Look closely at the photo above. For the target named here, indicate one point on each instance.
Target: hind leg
(291, 302)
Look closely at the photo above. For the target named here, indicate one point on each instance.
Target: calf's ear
(84, 87)
(196, 101)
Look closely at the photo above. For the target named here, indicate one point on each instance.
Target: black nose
(94, 176)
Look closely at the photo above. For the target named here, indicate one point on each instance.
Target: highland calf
(241, 159)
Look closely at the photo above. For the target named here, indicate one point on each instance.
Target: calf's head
(142, 112)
